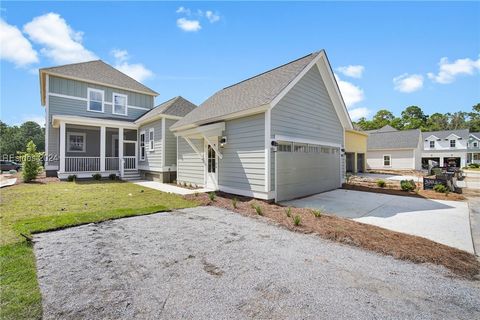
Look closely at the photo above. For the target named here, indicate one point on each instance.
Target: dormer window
(432, 144)
(95, 100)
(475, 144)
(453, 143)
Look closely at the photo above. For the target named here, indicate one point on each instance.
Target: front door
(130, 154)
(211, 163)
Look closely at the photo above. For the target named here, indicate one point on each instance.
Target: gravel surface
(210, 263)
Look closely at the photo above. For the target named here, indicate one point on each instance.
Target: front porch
(87, 148)
(473, 157)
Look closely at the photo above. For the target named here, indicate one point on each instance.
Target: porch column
(62, 146)
(102, 148)
(120, 150)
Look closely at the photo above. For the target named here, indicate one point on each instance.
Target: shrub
(474, 165)
(97, 176)
(317, 212)
(407, 185)
(112, 176)
(288, 212)
(381, 183)
(72, 177)
(211, 196)
(31, 162)
(297, 220)
(234, 203)
(440, 188)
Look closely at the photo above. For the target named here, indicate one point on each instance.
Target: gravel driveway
(209, 263)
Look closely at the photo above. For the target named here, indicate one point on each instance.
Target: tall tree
(437, 122)
(474, 116)
(14, 138)
(457, 120)
(413, 118)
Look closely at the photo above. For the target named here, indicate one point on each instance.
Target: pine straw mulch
(398, 245)
(40, 179)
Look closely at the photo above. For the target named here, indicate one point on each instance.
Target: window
(119, 104)
(211, 161)
(284, 147)
(95, 100)
(452, 143)
(76, 142)
(386, 160)
(151, 142)
(300, 147)
(142, 145)
(432, 144)
(313, 148)
(475, 144)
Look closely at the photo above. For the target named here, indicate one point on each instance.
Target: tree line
(14, 139)
(413, 117)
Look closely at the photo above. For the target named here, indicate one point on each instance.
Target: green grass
(31, 208)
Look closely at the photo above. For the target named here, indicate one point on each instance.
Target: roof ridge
(260, 74)
(125, 75)
(70, 64)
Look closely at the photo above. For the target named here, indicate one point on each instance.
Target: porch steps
(131, 175)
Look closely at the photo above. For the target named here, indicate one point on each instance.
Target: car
(9, 165)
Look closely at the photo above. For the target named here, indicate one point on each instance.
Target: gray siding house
(278, 135)
(99, 120)
(473, 155)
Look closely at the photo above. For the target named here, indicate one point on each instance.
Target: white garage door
(304, 169)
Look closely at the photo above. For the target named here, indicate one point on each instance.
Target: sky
(385, 55)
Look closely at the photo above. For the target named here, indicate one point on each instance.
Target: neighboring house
(448, 148)
(278, 135)
(473, 148)
(99, 120)
(391, 149)
(355, 151)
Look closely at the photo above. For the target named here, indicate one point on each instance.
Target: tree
(413, 118)
(474, 116)
(382, 118)
(31, 162)
(437, 122)
(14, 138)
(457, 120)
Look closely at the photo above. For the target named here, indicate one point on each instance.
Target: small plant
(317, 212)
(381, 183)
(440, 188)
(31, 162)
(211, 196)
(112, 176)
(288, 212)
(297, 220)
(234, 203)
(258, 209)
(97, 176)
(407, 185)
(72, 177)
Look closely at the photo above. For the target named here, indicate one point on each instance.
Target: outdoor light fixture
(274, 145)
(223, 141)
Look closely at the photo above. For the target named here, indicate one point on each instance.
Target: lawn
(31, 208)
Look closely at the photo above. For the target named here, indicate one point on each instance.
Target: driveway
(445, 222)
(210, 263)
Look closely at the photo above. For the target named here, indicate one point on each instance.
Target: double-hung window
(432, 144)
(76, 142)
(142, 145)
(151, 141)
(452, 143)
(387, 160)
(95, 100)
(119, 104)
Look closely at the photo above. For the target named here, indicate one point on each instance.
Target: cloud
(14, 47)
(351, 93)
(183, 10)
(212, 17)
(136, 70)
(60, 42)
(352, 71)
(449, 71)
(358, 113)
(408, 83)
(188, 25)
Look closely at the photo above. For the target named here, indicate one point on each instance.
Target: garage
(306, 169)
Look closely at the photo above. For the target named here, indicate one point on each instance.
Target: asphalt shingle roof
(101, 72)
(177, 106)
(250, 93)
(386, 128)
(393, 139)
(463, 133)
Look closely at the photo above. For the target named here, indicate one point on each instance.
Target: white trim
(88, 99)
(103, 143)
(66, 96)
(452, 135)
(139, 108)
(120, 152)
(151, 141)
(472, 135)
(62, 146)
(214, 147)
(113, 103)
(157, 169)
(84, 147)
(390, 149)
(47, 120)
(280, 137)
(267, 149)
(390, 160)
(432, 136)
(215, 129)
(248, 193)
(207, 143)
(86, 121)
(142, 121)
(144, 146)
(163, 142)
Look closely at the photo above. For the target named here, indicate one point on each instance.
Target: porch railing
(130, 163)
(111, 163)
(76, 164)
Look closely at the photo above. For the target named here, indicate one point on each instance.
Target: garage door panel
(300, 174)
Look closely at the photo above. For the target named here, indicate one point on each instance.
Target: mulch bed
(41, 179)
(398, 245)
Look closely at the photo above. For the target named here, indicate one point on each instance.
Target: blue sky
(385, 55)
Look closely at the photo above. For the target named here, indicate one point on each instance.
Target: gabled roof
(475, 135)
(97, 72)
(177, 107)
(462, 133)
(386, 128)
(253, 93)
(407, 139)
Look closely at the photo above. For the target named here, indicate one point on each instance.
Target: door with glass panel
(211, 160)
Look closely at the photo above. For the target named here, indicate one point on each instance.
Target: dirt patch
(398, 245)
(41, 179)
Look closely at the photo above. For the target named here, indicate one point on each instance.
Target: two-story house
(99, 120)
(473, 150)
(447, 148)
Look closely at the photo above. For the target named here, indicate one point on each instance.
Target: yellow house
(355, 151)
